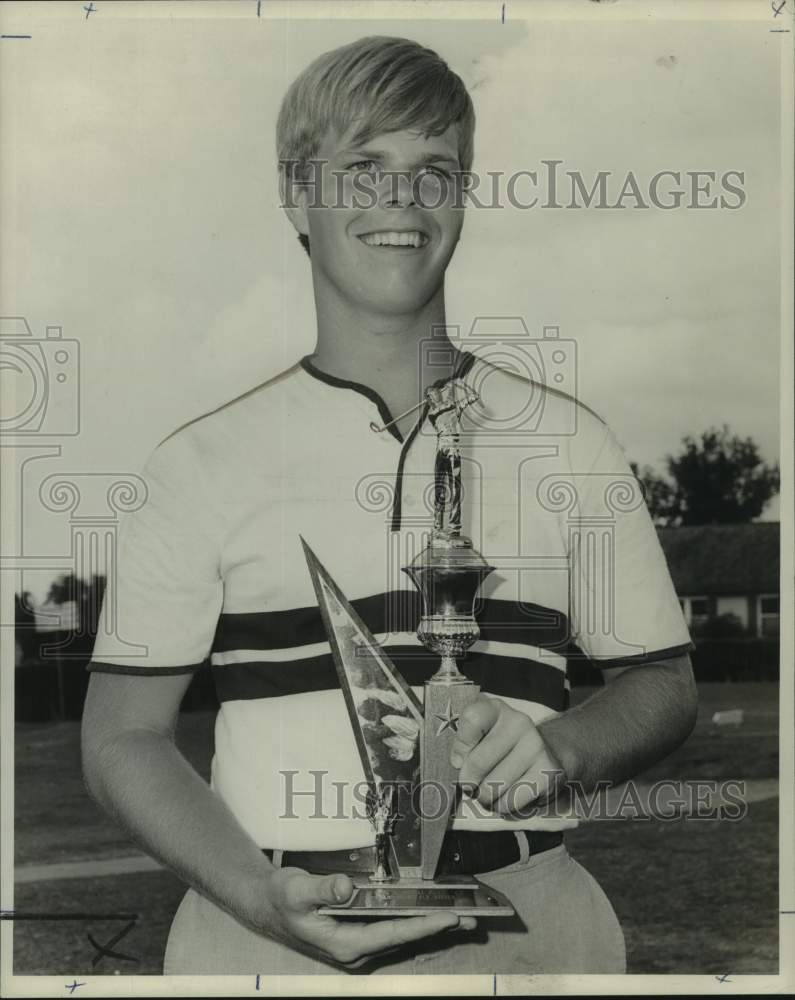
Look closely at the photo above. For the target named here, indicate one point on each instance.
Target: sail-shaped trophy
(404, 744)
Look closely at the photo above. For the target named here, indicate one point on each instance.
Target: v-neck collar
(465, 363)
(365, 390)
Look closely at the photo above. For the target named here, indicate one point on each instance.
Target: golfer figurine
(382, 817)
(446, 406)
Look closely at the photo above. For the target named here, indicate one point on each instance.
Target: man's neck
(392, 354)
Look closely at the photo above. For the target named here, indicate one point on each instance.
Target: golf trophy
(404, 745)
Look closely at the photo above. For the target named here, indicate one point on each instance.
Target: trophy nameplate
(402, 742)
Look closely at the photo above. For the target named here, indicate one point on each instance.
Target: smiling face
(383, 219)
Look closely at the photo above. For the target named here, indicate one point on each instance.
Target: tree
(86, 594)
(66, 587)
(658, 493)
(91, 604)
(719, 479)
(726, 626)
(24, 616)
(24, 626)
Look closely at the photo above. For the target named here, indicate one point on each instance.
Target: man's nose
(397, 189)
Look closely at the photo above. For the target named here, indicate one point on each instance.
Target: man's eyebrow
(438, 158)
(380, 154)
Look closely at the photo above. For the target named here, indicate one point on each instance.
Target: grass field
(693, 896)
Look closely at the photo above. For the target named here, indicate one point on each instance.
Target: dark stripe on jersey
(394, 611)
(652, 656)
(98, 667)
(511, 677)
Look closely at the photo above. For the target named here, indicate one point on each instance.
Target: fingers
(502, 758)
(541, 783)
(519, 794)
(476, 720)
(502, 755)
(355, 942)
(500, 777)
(311, 891)
(345, 943)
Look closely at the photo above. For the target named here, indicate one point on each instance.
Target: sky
(140, 213)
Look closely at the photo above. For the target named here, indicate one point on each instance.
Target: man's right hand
(293, 899)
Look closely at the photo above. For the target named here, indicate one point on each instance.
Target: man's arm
(641, 714)
(134, 770)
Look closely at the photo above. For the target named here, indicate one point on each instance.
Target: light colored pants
(564, 924)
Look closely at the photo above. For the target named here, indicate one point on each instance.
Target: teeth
(411, 239)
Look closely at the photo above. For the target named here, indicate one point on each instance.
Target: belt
(464, 852)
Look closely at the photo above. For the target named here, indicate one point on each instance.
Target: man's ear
(293, 196)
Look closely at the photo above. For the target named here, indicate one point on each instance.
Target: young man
(371, 140)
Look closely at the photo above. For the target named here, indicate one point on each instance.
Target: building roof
(725, 559)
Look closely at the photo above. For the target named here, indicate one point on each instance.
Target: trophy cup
(404, 745)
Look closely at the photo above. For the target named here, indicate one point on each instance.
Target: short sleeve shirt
(212, 566)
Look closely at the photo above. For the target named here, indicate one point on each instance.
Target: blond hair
(375, 85)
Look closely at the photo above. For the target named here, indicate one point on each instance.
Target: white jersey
(212, 567)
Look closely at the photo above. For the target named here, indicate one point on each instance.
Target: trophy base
(415, 897)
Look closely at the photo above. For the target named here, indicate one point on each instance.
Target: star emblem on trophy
(448, 720)
(403, 743)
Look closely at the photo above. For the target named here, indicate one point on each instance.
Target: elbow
(101, 748)
(91, 761)
(677, 697)
(692, 712)
(687, 698)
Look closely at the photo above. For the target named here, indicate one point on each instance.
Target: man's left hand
(500, 752)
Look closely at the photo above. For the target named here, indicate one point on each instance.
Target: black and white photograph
(397, 506)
